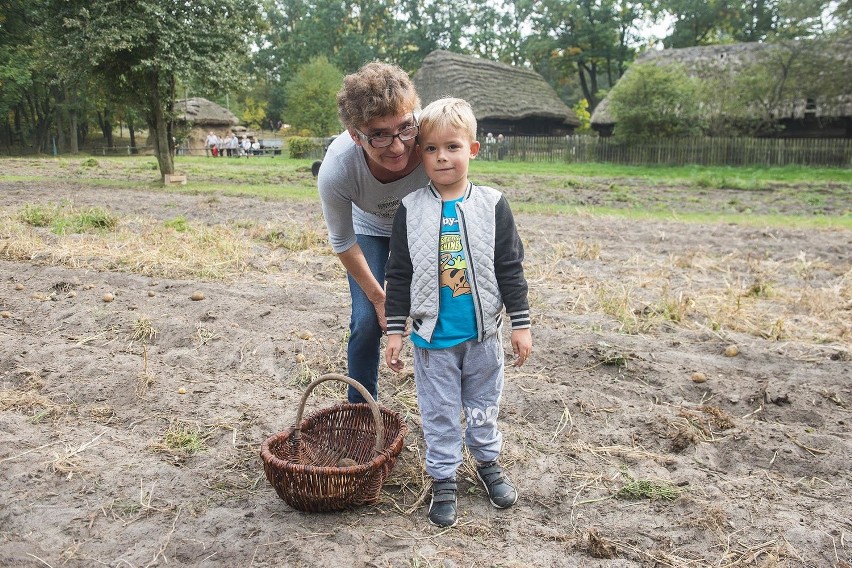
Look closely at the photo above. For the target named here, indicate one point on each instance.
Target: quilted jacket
(494, 254)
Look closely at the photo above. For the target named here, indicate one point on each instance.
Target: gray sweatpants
(467, 376)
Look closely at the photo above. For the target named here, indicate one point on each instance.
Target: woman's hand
(379, 305)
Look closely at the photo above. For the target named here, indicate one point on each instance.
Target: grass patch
(179, 224)
(720, 218)
(290, 179)
(294, 239)
(690, 173)
(181, 440)
(646, 489)
(64, 218)
(215, 253)
(38, 215)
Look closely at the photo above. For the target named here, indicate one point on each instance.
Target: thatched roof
(496, 91)
(202, 112)
(713, 61)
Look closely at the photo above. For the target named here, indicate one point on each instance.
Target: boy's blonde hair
(375, 91)
(449, 112)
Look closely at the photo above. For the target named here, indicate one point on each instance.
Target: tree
(655, 101)
(593, 40)
(253, 114)
(769, 86)
(581, 109)
(312, 98)
(705, 22)
(495, 29)
(140, 49)
(22, 84)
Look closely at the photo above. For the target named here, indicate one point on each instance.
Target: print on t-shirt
(453, 263)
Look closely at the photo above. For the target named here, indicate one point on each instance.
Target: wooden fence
(679, 151)
(835, 152)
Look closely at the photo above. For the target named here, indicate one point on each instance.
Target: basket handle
(377, 416)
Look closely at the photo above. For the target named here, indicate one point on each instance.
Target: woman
(362, 179)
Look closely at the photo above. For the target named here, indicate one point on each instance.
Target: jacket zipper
(474, 290)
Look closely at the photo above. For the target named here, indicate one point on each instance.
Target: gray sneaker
(501, 492)
(442, 509)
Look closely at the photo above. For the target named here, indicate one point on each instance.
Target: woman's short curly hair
(374, 91)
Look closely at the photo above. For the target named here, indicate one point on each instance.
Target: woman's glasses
(385, 140)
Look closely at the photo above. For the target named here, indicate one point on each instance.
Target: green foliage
(655, 102)
(705, 22)
(581, 109)
(300, 147)
(312, 98)
(254, 113)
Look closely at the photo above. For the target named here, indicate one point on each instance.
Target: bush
(655, 102)
(311, 96)
(300, 147)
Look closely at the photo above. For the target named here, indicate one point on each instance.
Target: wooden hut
(817, 103)
(198, 117)
(505, 99)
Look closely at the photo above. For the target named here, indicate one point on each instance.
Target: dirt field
(687, 402)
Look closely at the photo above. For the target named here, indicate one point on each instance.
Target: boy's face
(446, 154)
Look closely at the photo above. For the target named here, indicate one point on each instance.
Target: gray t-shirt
(353, 201)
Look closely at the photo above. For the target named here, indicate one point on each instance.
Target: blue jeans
(365, 335)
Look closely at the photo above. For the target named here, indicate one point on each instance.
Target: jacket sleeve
(508, 266)
(398, 274)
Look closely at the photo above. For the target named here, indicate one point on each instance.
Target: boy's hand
(392, 353)
(521, 345)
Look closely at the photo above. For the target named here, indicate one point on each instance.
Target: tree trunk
(131, 128)
(105, 122)
(158, 126)
(59, 98)
(18, 129)
(75, 147)
(589, 91)
(72, 127)
(60, 136)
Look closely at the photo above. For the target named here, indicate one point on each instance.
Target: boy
(455, 261)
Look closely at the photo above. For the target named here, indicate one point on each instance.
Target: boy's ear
(474, 148)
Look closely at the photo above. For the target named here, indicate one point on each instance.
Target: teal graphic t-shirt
(456, 316)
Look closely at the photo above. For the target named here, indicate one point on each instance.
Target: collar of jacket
(437, 195)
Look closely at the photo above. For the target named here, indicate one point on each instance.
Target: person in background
(364, 174)
(210, 143)
(456, 261)
(490, 141)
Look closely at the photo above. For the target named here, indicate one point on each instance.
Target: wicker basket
(303, 463)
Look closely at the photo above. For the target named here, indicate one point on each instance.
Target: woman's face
(393, 161)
